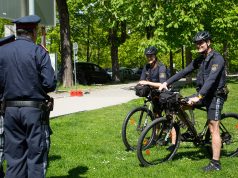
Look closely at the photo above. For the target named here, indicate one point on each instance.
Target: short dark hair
(25, 32)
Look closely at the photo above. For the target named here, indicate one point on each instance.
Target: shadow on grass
(187, 153)
(77, 172)
(54, 157)
(199, 154)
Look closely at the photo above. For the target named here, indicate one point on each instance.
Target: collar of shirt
(209, 56)
(24, 38)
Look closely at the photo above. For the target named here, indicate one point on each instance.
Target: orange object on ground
(76, 93)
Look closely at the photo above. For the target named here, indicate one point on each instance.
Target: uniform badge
(214, 67)
(162, 75)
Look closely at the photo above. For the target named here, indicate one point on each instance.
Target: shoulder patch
(162, 75)
(214, 67)
(43, 47)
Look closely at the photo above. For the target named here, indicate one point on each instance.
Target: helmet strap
(205, 52)
(153, 63)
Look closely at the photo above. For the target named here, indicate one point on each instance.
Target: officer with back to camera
(211, 89)
(26, 76)
(3, 41)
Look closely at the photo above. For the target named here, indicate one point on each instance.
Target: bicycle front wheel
(134, 123)
(229, 134)
(155, 144)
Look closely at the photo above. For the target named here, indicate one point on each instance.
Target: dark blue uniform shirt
(25, 71)
(211, 74)
(158, 74)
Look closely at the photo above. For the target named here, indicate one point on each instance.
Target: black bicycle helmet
(202, 36)
(151, 50)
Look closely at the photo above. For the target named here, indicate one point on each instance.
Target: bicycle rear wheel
(134, 123)
(155, 143)
(229, 134)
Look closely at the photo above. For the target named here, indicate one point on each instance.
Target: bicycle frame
(179, 109)
(197, 138)
(160, 140)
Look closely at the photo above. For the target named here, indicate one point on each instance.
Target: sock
(217, 162)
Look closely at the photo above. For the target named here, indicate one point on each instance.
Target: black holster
(223, 92)
(46, 107)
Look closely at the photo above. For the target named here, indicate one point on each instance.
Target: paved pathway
(96, 98)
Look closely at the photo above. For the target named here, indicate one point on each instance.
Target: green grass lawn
(89, 144)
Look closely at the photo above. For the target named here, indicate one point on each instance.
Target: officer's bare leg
(173, 136)
(216, 139)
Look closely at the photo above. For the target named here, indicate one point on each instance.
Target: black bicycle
(160, 140)
(135, 122)
(138, 118)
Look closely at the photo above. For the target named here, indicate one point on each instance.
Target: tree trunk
(171, 63)
(114, 53)
(88, 44)
(123, 31)
(182, 53)
(66, 53)
(225, 54)
(188, 56)
(115, 42)
(98, 54)
(149, 32)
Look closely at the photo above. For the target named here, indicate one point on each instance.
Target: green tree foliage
(136, 24)
(2, 23)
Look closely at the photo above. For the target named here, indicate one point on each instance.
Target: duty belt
(34, 104)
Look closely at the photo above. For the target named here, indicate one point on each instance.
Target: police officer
(154, 72)
(3, 41)
(26, 76)
(211, 82)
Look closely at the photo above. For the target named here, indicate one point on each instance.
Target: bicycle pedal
(226, 138)
(186, 136)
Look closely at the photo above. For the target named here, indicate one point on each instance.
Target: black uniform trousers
(27, 143)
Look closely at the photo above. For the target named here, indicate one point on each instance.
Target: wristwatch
(200, 96)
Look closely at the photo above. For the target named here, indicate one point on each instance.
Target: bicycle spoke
(229, 135)
(133, 125)
(154, 145)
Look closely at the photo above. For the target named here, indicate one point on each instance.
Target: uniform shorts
(214, 108)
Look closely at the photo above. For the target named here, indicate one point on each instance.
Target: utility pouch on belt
(223, 92)
(48, 105)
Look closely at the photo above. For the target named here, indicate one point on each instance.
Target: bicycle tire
(229, 134)
(153, 144)
(134, 123)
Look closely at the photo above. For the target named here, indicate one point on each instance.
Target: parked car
(109, 71)
(127, 74)
(89, 73)
(137, 71)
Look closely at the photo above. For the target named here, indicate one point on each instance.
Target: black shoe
(212, 167)
(171, 147)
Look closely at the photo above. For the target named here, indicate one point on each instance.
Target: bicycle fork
(145, 123)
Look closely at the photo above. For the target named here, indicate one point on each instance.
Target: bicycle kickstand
(234, 154)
